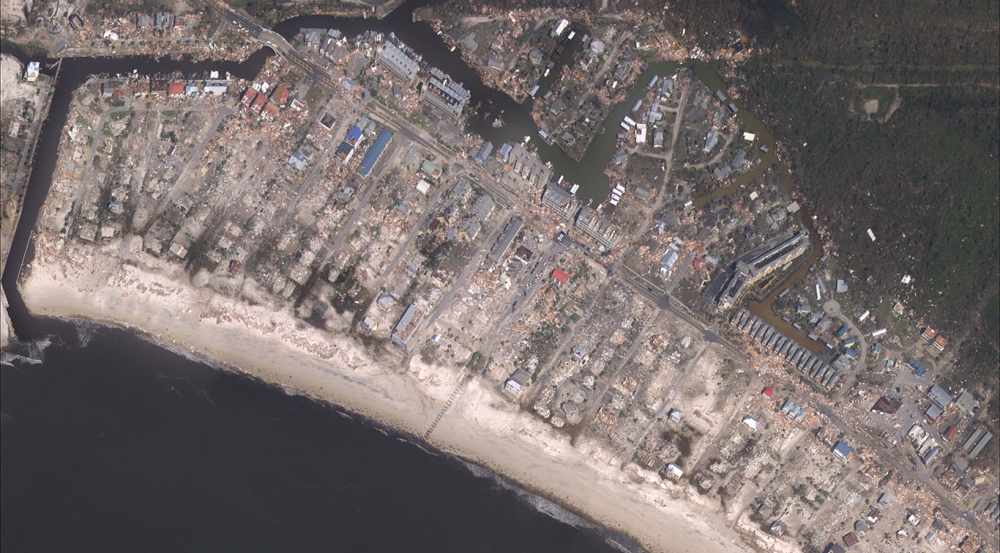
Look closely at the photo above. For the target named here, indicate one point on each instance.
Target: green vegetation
(418, 119)
(925, 182)
(921, 169)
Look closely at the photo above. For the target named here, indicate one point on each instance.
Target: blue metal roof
(375, 152)
(353, 135)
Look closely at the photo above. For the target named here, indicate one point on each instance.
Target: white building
(31, 72)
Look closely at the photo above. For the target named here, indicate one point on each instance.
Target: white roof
(423, 186)
(751, 422)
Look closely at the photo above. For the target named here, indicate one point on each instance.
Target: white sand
(270, 344)
(12, 87)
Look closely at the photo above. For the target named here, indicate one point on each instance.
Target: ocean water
(115, 444)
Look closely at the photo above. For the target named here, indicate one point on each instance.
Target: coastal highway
(966, 518)
(275, 42)
(667, 303)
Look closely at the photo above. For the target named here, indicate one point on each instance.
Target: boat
(574, 189)
(497, 123)
(527, 138)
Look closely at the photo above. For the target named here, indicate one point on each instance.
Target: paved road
(595, 403)
(944, 497)
(671, 305)
(470, 267)
(275, 42)
(543, 374)
(530, 283)
(669, 160)
(667, 399)
(832, 308)
(417, 227)
(339, 240)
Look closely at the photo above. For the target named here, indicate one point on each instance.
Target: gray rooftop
(939, 396)
(397, 61)
(509, 233)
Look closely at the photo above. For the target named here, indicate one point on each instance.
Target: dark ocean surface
(118, 445)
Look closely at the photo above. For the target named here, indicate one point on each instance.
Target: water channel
(588, 173)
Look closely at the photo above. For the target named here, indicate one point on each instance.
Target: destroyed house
(887, 406)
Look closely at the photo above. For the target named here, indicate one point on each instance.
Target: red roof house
(175, 89)
(259, 102)
(249, 96)
(280, 95)
(949, 434)
(699, 263)
(270, 111)
(560, 275)
(768, 391)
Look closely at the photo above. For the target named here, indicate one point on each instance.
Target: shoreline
(111, 284)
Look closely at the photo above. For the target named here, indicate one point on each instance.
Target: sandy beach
(115, 283)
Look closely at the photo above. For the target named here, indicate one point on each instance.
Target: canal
(588, 172)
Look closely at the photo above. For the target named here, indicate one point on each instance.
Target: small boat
(574, 189)
(527, 138)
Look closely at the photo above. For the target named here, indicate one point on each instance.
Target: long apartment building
(529, 166)
(506, 238)
(761, 262)
(448, 95)
(398, 62)
(598, 227)
(560, 201)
